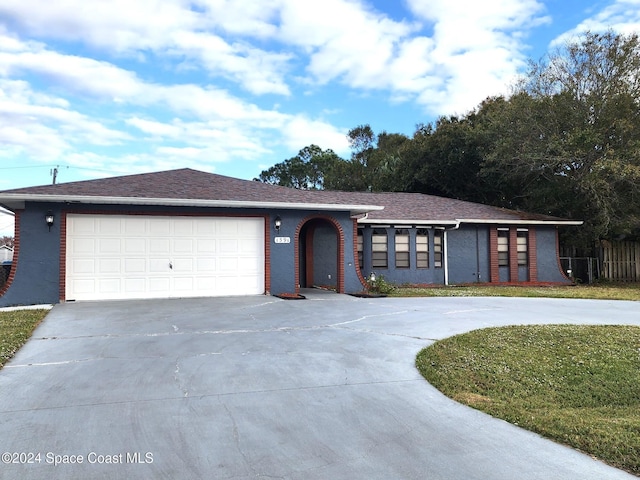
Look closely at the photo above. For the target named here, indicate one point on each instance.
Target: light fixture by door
(49, 219)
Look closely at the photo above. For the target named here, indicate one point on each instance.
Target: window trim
(403, 255)
(422, 248)
(376, 260)
(503, 247)
(438, 249)
(522, 248)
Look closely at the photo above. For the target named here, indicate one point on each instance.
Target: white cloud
(42, 125)
(622, 16)
(264, 46)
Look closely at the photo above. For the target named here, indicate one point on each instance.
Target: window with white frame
(523, 247)
(503, 247)
(438, 248)
(379, 248)
(422, 248)
(402, 248)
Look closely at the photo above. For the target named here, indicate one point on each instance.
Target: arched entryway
(320, 250)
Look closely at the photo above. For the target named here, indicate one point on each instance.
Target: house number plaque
(282, 239)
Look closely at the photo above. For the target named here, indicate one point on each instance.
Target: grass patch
(578, 385)
(15, 329)
(613, 291)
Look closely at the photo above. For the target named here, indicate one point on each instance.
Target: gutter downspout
(445, 253)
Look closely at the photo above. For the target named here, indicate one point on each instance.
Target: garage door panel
(135, 245)
(206, 228)
(227, 245)
(132, 226)
(159, 227)
(183, 245)
(110, 285)
(160, 245)
(183, 265)
(119, 256)
(205, 264)
(135, 265)
(159, 265)
(109, 246)
(82, 245)
(85, 265)
(111, 266)
(183, 227)
(205, 246)
(111, 226)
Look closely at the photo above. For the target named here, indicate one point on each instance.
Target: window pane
(402, 259)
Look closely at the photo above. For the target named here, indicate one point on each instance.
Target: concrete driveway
(258, 387)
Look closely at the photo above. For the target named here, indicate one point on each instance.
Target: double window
(522, 247)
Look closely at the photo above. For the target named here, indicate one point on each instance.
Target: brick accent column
(494, 271)
(533, 256)
(513, 254)
(16, 253)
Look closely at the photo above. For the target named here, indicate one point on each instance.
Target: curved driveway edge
(253, 387)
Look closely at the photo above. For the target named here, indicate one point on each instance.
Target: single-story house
(6, 253)
(187, 233)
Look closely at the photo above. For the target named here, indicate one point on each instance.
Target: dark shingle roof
(186, 184)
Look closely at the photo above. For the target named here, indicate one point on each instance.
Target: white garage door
(132, 256)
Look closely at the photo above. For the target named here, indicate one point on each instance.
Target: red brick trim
(532, 255)
(494, 269)
(267, 254)
(363, 281)
(63, 257)
(339, 231)
(63, 237)
(513, 254)
(16, 253)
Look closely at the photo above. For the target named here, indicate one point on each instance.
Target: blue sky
(101, 88)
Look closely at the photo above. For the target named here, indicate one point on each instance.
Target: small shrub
(380, 285)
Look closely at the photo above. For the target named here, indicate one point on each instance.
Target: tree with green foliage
(306, 171)
(568, 141)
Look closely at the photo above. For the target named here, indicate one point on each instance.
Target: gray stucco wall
(37, 265)
(468, 254)
(548, 265)
(395, 275)
(283, 269)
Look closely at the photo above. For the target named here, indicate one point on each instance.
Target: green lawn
(578, 385)
(15, 329)
(604, 291)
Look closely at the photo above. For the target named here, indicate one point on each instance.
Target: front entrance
(319, 251)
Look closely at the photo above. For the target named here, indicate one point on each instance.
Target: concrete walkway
(258, 387)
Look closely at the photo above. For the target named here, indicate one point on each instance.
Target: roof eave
(457, 221)
(17, 201)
